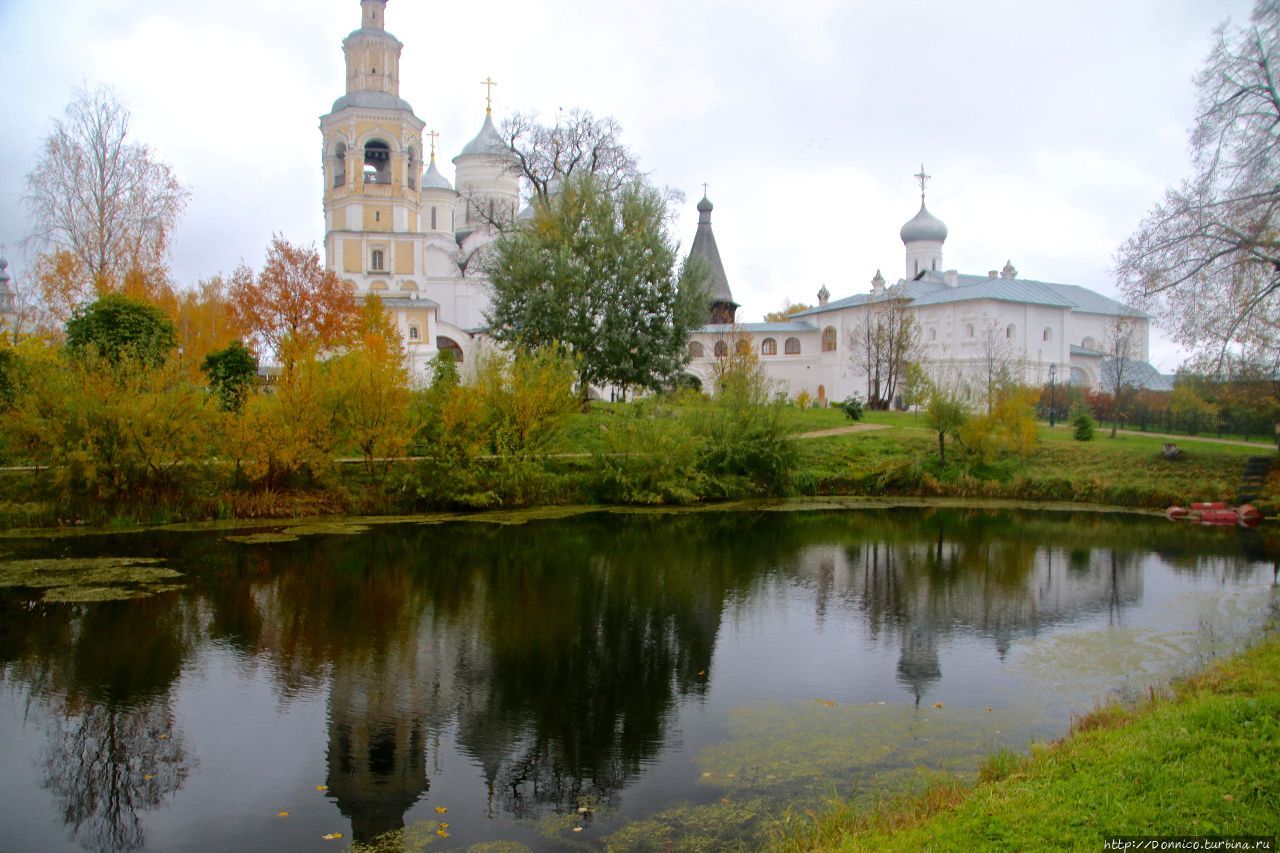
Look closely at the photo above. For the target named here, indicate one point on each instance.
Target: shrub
(650, 456)
(1082, 425)
(803, 400)
(852, 407)
(744, 432)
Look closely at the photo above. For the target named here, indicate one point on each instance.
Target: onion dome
(924, 226)
(705, 207)
(433, 179)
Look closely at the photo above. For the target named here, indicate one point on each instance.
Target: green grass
(1200, 760)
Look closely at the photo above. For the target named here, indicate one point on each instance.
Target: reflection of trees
(107, 763)
(556, 653)
(102, 675)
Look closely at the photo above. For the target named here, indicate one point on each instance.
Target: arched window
(377, 162)
(1010, 332)
(377, 260)
(742, 347)
(968, 330)
(697, 350)
(1048, 334)
(340, 164)
(829, 339)
(412, 155)
(933, 334)
(433, 219)
(722, 349)
(768, 347)
(1091, 343)
(792, 346)
(413, 333)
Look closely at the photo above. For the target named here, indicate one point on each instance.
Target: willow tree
(596, 271)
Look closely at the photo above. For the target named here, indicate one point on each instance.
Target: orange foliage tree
(294, 298)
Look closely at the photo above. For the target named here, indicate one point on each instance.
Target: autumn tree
(1207, 258)
(946, 409)
(1120, 365)
(574, 144)
(995, 367)
(883, 342)
(101, 198)
(294, 298)
(377, 415)
(789, 309)
(597, 272)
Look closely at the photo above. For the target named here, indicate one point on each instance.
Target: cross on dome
(923, 179)
(488, 84)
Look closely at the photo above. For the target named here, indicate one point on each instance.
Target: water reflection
(555, 655)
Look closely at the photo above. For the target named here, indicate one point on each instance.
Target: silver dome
(924, 226)
(434, 180)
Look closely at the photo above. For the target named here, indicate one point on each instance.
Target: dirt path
(844, 430)
(1260, 446)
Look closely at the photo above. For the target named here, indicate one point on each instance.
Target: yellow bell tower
(373, 168)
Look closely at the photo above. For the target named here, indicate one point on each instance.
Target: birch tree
(100, 197)
(1206, 260)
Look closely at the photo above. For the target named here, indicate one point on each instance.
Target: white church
(396, 227)
(1042, 325)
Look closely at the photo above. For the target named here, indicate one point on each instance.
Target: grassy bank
(898, 458)
(1199, 759)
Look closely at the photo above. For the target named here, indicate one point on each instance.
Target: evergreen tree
(122, 328)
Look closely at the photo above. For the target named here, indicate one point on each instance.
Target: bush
(852, 407)
(745, 435)
(650, 456)
(1082, 425)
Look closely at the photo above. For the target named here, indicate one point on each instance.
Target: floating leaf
(577, 829)
(937, 704)
(442, 833)
(988, 710)
(444, 826)
(333, 836)
(147, 777)
(322, 788)
(163, 737)
(282, 814)
(441, 809)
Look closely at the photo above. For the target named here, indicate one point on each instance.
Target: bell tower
(372, 158)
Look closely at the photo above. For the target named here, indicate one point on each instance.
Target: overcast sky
(1049, 128)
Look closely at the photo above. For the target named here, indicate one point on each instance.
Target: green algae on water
(294, 532)
(725, 825)
(413, 838)
(806, 746)
(89, 579)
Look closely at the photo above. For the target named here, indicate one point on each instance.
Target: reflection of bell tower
(918, 667)
(377, 744)
(373, 166)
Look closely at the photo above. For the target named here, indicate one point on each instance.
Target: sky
(1049, 128)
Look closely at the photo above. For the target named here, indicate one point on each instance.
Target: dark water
(604, 680)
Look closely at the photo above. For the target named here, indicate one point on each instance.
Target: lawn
(1198, 760)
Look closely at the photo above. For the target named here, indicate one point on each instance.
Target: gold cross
(433, 136)
(488, 84)
(923, 179)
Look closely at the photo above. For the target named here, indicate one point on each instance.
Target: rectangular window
(377, 261)
(433, 219)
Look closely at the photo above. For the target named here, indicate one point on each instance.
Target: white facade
(961, 318)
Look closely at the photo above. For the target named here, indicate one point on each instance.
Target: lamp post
(1053, 393)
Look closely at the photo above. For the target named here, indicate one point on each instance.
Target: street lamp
(1053, 393)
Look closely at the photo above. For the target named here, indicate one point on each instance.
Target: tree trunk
(942, 447)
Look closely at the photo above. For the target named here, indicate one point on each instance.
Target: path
(844, 430)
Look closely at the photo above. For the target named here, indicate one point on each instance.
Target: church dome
(487, 141)
(434, 180)
(924, 226)
(705, 206)
(366, 99)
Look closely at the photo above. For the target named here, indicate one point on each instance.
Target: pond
(620, 680)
